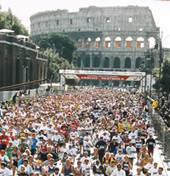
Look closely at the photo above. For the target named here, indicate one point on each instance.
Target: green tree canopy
(61, 44)
(164, 81)
(54, 64)
(9, 21)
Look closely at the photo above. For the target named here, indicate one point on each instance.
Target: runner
(90, 131)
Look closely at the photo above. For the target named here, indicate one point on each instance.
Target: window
(57, 22)
(130, 19)
(96, 61)
(128, 43)
(117, 43)
(116, 63)
(108, 20)
(88, 20)
(140, 42)
(46, 23)
(107, 42)
(79, 43)
(138, 62)
(151, 42)
(97, 44)
(88, 41)
(106, 62)
(128, 62)
(71, 21)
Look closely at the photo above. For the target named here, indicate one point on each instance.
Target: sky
(23, 9)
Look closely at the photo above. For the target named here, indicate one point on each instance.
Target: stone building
(106, 37)
(20, 61)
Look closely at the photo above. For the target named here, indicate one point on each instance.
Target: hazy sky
(23, 9)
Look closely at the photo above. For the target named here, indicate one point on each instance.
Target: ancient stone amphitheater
(106, 37)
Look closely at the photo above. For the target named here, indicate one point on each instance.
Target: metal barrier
(163, 134)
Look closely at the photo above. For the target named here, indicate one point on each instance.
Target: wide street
(89, 131)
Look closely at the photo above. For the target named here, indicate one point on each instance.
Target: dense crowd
(86, 132)
(163, 110)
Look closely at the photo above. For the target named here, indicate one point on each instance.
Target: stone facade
(20, 61)
(106, 37)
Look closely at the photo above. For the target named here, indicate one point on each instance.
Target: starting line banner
(102, 75)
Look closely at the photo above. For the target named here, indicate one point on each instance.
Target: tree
(59, 43)
(54, 64)
(164, 81)
(9, 21)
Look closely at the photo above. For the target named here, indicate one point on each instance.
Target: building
(106, 37)
(20, 61)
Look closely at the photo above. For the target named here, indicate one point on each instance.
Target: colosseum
(106, 37)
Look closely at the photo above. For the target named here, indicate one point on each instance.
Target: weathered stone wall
(106, 37)
(20, 61)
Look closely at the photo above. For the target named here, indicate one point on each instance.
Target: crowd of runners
(164, 111)
(87, 132)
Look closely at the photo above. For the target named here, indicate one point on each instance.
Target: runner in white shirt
(4, 171)
(110, 168)
(86, 167)
(154, 170)
(160, 171)
(131, 150)
(118, 171)
(119, 156)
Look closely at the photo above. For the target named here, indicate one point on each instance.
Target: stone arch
(97, 42)
(116, 63)
(117, 42)
(78, 62)
(128, 42)
(128, 62)
(79, 43)
(106, 62)
(96, 61)
(138, 62)
(86, 61)
(88, 42)
(140, 42)
(107, 42)
(151, 42)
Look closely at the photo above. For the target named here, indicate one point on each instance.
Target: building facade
(20, 61)
(106, 37)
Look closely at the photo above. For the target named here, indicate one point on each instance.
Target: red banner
(101, 77)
